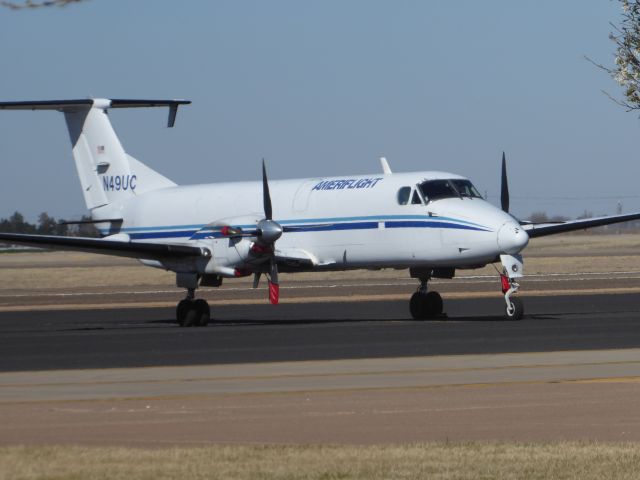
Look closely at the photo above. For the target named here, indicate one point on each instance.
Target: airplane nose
(512, 238)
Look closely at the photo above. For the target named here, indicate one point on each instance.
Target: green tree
(16, 224)
(86, 229)
(46, 225)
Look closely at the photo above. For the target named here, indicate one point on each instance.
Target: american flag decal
(100, 148)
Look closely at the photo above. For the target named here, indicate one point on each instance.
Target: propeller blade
(504, 188)
(273, 270)
(269, 231)
(266, 200)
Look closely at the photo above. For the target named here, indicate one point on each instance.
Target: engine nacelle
(230, 241)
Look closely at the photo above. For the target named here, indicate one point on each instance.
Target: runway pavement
(350, 368)
(584, 395)
(103, 338)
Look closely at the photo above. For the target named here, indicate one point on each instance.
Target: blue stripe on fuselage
(196, 232)
(432, 224)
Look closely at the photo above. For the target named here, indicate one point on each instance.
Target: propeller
(504, 188)
(268, 231)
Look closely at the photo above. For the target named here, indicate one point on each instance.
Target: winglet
(172, 104)
(386, 169)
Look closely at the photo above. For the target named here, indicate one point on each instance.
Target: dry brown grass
(79, 277)
(438, 461)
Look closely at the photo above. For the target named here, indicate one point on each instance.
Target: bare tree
(626, 71)
(539, 217)
(35, 4)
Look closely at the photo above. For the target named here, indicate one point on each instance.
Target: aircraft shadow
(234, 322)
(253, 322)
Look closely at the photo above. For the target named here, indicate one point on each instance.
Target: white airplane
(431, 223)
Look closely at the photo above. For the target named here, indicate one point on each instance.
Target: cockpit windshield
(466, 188)
(437, 189)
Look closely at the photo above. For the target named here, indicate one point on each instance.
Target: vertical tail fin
(108, 175)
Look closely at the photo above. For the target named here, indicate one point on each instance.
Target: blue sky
(325, 88)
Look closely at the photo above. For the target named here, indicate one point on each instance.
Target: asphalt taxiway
(340, 371)
(343, 329)
(86, 360)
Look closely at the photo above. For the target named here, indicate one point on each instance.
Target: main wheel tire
(416, 306)
(516, 310)
(425, 305)
(203, 312)
(191, 318)
(181, 310)
(433, 304)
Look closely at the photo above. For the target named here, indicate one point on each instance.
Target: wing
(542, 230)
(142, 250)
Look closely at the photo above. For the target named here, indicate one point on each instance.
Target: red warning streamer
(506, 284)
(274, 293)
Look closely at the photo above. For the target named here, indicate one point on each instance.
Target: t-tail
(108, 175)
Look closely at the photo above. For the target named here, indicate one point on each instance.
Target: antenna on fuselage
(386, 169)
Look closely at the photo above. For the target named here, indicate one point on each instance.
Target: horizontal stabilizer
(143, 250)
(74, 105)
(46, 104)
(90, 222)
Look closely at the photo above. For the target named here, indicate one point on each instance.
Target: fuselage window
(416, 200)
(403, 195)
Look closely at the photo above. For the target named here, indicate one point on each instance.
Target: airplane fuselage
(338, 223)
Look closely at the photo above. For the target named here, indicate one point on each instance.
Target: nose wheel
(193, 312)
(514, 309)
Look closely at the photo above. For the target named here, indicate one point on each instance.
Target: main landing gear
(425, 305)
(193, 312)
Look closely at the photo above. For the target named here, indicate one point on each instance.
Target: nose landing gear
(515, 308)
(512, 269)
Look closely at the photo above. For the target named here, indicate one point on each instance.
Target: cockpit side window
(403, 195)
(415, 199)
